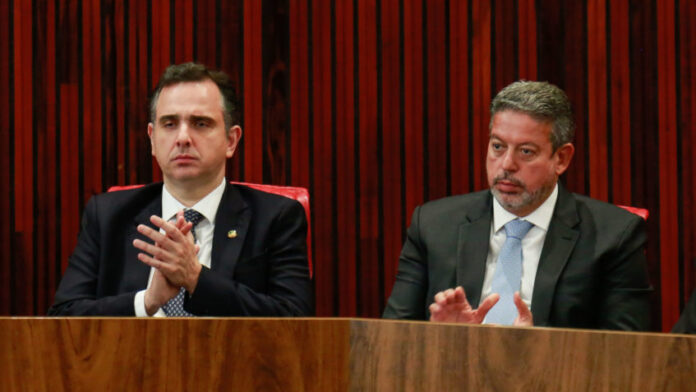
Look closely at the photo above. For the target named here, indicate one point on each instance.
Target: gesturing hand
(524, 315)
(451, 306)
(161, 290)
(173, 252)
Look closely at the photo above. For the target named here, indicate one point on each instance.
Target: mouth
(508, 185)
(184, 158)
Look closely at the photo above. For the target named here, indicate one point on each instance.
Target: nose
(183, 138)
(509, 163)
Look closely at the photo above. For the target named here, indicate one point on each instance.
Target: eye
(496, 146)
(527, 152)
(168, 124)
(201, 124)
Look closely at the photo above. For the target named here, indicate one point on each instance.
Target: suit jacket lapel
(134, 269)
(472, 249)
(232, 214)
(558, 246)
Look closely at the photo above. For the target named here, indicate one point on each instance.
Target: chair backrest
(293, 192)
(641, 212)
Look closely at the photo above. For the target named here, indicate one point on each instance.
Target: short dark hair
(542, 101)
(194, 72)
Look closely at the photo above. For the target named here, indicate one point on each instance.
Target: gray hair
(543, 102)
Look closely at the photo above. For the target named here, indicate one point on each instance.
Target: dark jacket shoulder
(455, 208)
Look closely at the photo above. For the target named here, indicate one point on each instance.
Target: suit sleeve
(77, 293)
(289, 290)
(625, 301)
(407, 300)
(687, 321)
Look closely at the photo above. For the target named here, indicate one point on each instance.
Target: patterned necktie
(175, 306)
(508, 273)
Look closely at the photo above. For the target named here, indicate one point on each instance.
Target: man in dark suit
(577, 262)
(194, 245)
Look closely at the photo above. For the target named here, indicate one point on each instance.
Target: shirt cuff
(139, 304)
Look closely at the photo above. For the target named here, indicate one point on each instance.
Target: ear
(150, 128)
(234, 135)
(564, 155)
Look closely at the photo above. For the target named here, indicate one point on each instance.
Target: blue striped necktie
(508, 273)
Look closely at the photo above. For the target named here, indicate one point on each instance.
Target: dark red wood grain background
(374, 105)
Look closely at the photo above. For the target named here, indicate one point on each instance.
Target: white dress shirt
(208, 207)
(532, 244)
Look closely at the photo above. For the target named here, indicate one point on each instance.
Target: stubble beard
(519, 202)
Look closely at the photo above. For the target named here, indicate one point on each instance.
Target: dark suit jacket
(687, 321)
(592, 270)
(261, 272)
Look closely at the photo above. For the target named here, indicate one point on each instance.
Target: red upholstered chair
(641, 212)
(292, 192)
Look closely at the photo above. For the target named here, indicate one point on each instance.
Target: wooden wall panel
(459, 85)
(374, 105)
(667, 161)
(527, 40)
(597, 106)
(389, 75)
(22, 282)
(413, 101)
(686, 110)
(345, 152)
(253, 91)
(436, 148)
(225, 23)
(481, 86)
(619, 98)
(7, 230)
(645, 130)
(323, 186)
(505, 57)
(370, 283)
(46, 152)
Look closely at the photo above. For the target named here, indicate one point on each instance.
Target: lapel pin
(232, 234)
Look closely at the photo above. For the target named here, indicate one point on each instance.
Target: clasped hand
(452, 306)
(173, 255)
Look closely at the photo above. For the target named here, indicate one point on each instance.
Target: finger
(434, 311)
(487, 304)
(186, 228)
(525, 315)
(156, 251)
(172, 231)
(154, 235)
(440, 298)
(179, 221)
(460, 295)
(182, 224)
(449, 295)
(164, 268)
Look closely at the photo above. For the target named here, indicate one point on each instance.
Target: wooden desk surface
(272, 354)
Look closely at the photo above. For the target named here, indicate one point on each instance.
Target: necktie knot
(193, 216)
(517, 228)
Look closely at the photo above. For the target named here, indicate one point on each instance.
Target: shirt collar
(207, 206)
(541, 217)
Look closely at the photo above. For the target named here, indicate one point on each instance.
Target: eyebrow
(176, 117)
(167, 117)
(492, 137)
(202, 118)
